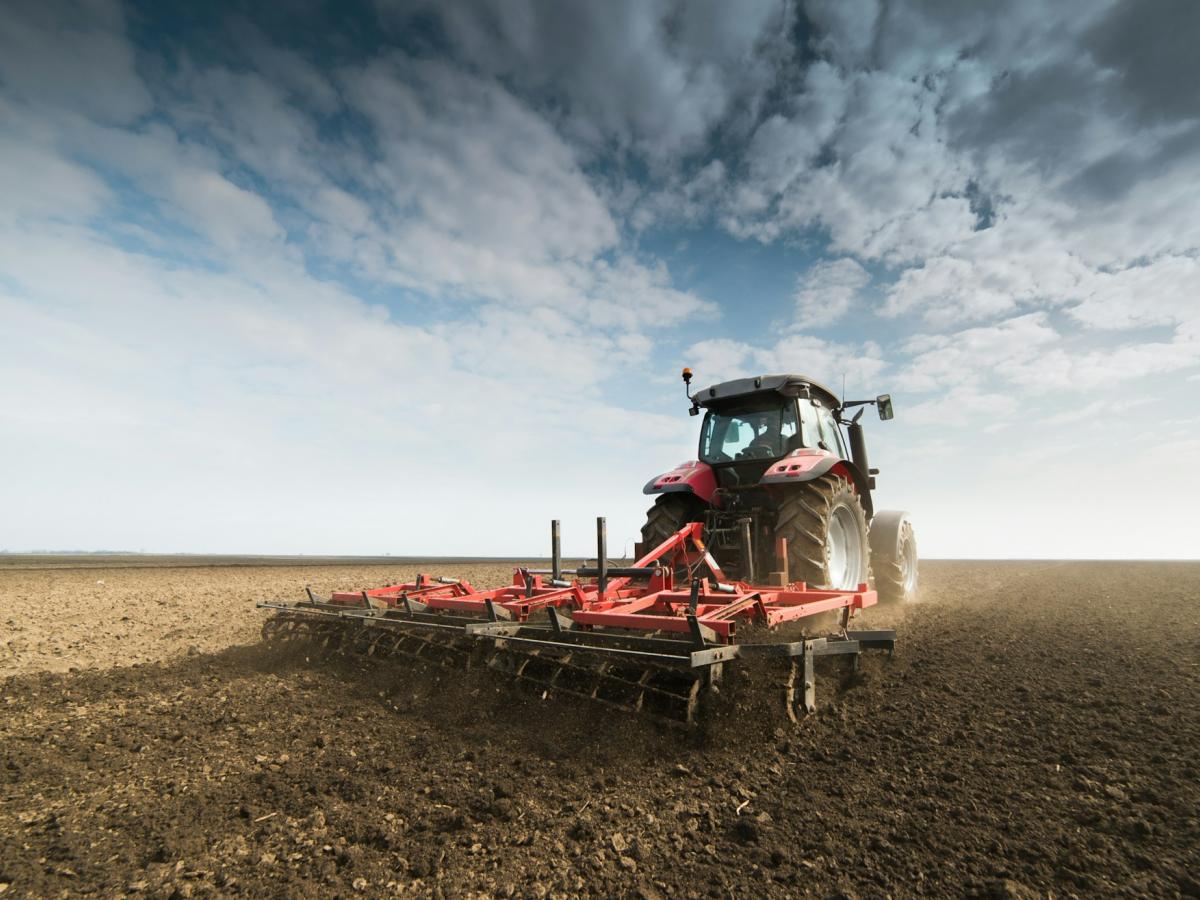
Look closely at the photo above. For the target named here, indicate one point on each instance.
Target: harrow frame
(618, 616)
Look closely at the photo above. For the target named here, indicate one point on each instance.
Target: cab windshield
(759, 432)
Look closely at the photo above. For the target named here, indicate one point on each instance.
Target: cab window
(739, 434)
(809, 435)
(761, 432)
(830, 436)
(788, 428)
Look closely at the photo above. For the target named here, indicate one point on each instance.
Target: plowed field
(1037, 733)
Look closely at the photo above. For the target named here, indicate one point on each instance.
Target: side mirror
(884, 403)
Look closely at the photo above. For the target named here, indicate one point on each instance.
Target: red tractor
(773, 526)
(775, 463)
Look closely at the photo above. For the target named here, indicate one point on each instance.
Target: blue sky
(415, 278)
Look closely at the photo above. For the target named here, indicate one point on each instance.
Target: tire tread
(803, 519)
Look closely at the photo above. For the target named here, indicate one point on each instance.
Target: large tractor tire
(894, 557)
(826, 531)
(669, 513)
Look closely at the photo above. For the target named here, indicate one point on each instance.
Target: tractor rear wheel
(894, 557)
(826, 531)
(669, 513)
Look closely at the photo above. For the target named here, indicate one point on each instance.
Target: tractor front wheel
(826, 531)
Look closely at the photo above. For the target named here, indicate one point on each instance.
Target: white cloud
(862, 156)
(465, 193)
(35, 182)
(960, 405)
(1029, 353)
(475, 162)
(941, 361)
(784, 148)
(1165, 291)
(988, 275)
(1108, 368)
(188, 360)
(720, 359)
(270, 406)
(1097, 411)
(827, 291)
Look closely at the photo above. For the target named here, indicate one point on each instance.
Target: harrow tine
(556, 624)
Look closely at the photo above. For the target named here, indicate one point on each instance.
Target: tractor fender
(807, 464)
(693, 477)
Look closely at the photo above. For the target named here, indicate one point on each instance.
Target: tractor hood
(785, 385)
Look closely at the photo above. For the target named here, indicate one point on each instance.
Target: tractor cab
(752, 422)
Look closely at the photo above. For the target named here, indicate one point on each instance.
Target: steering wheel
(756, 451)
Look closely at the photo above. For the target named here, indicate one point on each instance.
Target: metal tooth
(384, 642)
(664, 694)
(374, 643)
(360, 640)
(607, 686)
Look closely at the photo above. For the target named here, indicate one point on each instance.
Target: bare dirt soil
(56, 619)
(1037, 733)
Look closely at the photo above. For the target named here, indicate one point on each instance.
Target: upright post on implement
(780, 577)
(747, 553)
(601, 556)
(555, 551)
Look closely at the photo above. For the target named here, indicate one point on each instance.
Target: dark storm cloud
(652, 76)
(755, 101)
(1151, 47)
(1111, 178)
(1041, 116)
(1058, 88)
(1145, 75)
(1094, 100)
(891, 127)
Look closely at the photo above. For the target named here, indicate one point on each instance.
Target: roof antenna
(843, 403)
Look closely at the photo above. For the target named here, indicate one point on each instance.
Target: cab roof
(784, 385)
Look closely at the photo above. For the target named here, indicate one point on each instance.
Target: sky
(415, 277)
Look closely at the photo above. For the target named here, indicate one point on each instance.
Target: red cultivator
(651, 636)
